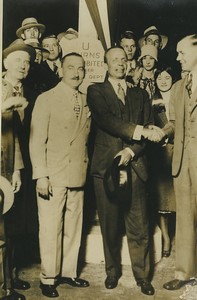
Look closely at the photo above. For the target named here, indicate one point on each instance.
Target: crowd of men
(46, 122)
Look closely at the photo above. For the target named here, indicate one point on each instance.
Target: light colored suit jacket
(58, 141)
(176, 126)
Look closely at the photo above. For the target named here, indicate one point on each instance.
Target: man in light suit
(183, 125)
(120, 123)
(58, 147)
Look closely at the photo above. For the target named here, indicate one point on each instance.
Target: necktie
(55, 68)
(17, 91)
(121, 93)
(189, 85)
(76, 104)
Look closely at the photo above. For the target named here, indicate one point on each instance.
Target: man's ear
(23, 36)
(39, 35)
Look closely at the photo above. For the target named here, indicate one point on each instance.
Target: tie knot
(55, 67)
(17, 90)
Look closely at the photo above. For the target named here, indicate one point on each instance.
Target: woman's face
(148, 62)
(164, 81)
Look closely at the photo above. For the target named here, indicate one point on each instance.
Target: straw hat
(6, 195)
(70, 34)
(153, 30)
(28, 23)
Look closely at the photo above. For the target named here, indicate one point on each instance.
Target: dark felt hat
(19, 45)
(118, 193)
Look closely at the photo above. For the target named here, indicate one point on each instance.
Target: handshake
(153, 133)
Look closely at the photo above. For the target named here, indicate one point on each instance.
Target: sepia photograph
(98, 182)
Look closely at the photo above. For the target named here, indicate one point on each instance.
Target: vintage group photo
(98, 183)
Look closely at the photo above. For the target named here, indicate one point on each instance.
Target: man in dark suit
(120, 114)
(183, 126)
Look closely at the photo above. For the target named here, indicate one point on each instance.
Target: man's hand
(125, 157)
(153, 133)
(16, 181)
(44, 188)
(13, 103)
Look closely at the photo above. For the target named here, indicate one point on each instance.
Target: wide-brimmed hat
(118, 193)
(153, 30)
(6, 195)
(70, 33)
(19, 45)
(38, 46)
(149, 50)
(28, 23)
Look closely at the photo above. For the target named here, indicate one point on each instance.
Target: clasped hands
(153, 133)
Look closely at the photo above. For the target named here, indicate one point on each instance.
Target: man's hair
(51, 36)
(72, 54)
(194, 39)
(128, 35)
(107, 51)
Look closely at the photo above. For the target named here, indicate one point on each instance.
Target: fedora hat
(148, 50)
(28, 23)
(38, 46)
(153, 30)
(6, 195)
(118, 193)
(19, 45)
(70, 34)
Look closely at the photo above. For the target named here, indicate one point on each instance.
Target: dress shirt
(58, 64)
(115, 84)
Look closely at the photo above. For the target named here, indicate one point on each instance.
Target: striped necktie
(17, 91)
(55, 68)
(189, 85)
(76, 104)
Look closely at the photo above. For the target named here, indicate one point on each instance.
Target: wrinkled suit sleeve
(38, 137)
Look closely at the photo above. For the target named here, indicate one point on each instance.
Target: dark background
(175, 18)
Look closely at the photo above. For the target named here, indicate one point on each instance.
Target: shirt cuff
(138, 132)
(130, 151)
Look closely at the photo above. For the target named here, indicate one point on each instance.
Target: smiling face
(17, 65)
(164, 81)
(129, 47)
(73, 70)
(148, 62)
(187, 54)
(116, 63)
